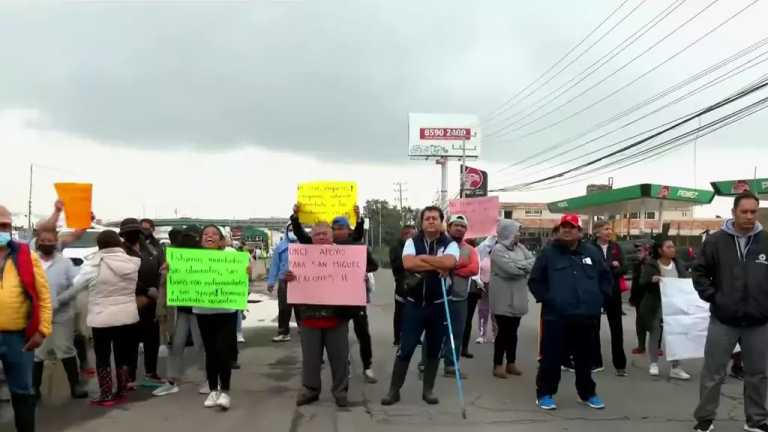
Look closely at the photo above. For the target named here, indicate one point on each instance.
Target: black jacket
(344, 312)
(570, 283)
(736, 287)
(614, 254)
(398, 271)
(649, 307)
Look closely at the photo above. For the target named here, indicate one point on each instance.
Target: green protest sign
(207, 278)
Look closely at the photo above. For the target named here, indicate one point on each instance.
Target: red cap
(572, 219)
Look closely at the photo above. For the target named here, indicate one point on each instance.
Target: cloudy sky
(219, 108)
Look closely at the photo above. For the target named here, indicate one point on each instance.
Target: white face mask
(291, 237)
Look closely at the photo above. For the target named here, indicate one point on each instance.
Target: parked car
(78, 250)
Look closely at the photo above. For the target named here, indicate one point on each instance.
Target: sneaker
(240, 339)
(224, 401)
(594, 402)
(567, 369)
(212, 399)
(204, 388)
(598, 369)
(704, 426)
(759, 428)
(638, 351)
(679, 374)
(369, 376)
(621, 373)
(546, 403)
(653, 370)
(281, 338)
(480, 340)
(152, 381)
(162, 352)
(166, 389)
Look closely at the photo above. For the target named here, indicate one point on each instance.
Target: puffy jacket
(110, 275)
(467, 268)
(14, 301)
(733, 278)
(510, 268)
(570, 282)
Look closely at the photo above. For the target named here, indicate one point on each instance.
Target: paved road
(264, 392)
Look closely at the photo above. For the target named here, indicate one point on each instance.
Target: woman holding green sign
(218, 328)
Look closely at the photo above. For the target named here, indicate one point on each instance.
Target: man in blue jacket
(276, 276)
(571, 281)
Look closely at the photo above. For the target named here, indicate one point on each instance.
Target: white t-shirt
(452, 249)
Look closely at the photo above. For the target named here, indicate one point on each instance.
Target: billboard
(439, 135)
(475, 182)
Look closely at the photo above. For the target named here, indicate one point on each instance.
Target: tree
(386, 221)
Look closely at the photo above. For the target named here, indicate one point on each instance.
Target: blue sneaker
(594, 402)
(546, 403)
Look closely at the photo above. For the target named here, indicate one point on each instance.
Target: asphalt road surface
(264, 393)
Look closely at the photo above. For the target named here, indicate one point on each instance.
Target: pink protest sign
(482, 214)
(327, 275)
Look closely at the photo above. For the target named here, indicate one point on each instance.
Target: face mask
(46, 249)
(147, 233)
(5, 238)
(291, 237)
(132, 237)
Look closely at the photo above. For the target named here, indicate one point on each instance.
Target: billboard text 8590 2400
(443, 135)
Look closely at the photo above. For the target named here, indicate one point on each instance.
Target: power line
(741, 68)
(509, 102)
(607, 57)
(641, 76)
(731, 99)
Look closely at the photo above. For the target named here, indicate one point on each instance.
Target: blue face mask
(5, 237)
(291, 237)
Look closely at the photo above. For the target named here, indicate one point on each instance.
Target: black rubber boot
(37, 378)
(24, 411)
(73, 376)
(399, 372)
(430, 374)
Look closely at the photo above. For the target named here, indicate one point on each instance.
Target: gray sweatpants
(335, 342)
(186, 323)
(721, 341)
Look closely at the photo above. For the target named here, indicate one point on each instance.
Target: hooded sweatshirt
(511, 264)
(731, 274)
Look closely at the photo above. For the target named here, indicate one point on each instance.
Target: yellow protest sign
(324, 200)
(77, 199)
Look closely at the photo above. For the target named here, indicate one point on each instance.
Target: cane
(453, 351)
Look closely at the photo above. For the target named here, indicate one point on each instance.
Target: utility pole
(463, 165)
(29, 208)
(399, 190)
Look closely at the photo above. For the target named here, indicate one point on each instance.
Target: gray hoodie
(511, 264)
(743, 241)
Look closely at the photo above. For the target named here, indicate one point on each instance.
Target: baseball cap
(340, 221)
(129, 224)
(572, 219)
(459, 219)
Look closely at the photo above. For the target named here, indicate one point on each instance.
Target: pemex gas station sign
(735, 187)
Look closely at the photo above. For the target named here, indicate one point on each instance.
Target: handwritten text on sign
(482, 213)
(207, 278)
(324, 200)
(327, 275)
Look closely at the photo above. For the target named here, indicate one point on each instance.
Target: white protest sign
(686, 319)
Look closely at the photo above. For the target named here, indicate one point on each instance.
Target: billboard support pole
(443, 162)
(463, 165)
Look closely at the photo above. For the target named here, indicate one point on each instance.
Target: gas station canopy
(735, 187)
(639, 197)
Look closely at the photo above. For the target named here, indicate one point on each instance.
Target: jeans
(613, 313)
(363, 333)
(428, 319)
(107, 340)
(220, 342)
(17, 363)
(472, 300)
(284, 310)
(458, 309)
(186, 324)
(576, 335)
(506, 340)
